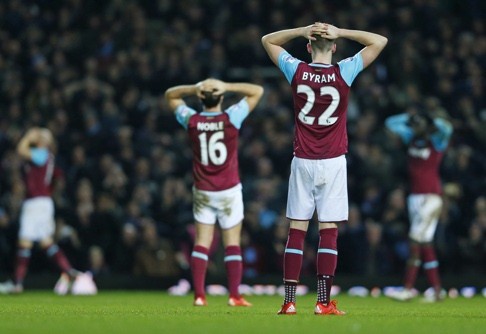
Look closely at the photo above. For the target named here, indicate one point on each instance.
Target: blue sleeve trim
(183, 114)
(39, 156)
(351, 67)
(440, 138)
(238, 113)
(288, 65)
(398, 125)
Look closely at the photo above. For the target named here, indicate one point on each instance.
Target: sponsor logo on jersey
(289, 59)
(421, 153)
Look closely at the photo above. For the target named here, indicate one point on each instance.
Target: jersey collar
(320, 65)
(210, 113)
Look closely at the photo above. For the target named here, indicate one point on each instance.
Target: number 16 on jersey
(213, 149)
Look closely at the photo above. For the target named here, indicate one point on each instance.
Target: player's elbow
(382, 42)
(24, 153)
(255, 97)
(259, 90)
(167, 95)
(264, 40)
(170, 98)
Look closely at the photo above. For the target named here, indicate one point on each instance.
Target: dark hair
(420, 118)
(211, 100)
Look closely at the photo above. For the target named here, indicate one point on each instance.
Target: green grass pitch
(156, 312)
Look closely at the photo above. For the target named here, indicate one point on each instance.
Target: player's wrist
(229, 87)
(191, 90)
(344, 33)
(338, 32)
(303, 31)
(225, 86)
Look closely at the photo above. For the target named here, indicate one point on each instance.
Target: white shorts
(37, 219)
(424, 211)
(318, 184)
(224, 206)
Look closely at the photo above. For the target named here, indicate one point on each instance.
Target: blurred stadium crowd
(94, 72)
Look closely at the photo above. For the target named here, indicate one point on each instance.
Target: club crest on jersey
(184, 112)
(210, 126)
(421, 153)
(289, 59)
(347, 59)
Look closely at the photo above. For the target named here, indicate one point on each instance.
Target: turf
(156, 312)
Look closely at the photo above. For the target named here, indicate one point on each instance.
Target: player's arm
(174, 96)
(252, 92)
(373, 43)
(440, 138)
(38, 156)
(25, 143)
(398, 125)
(273, 42)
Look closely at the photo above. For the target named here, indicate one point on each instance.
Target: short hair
(45, 135)
(419, 118)
(211, 100)
(321, 44)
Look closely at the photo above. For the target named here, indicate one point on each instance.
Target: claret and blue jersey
(349, 67)
(39, 173)
(320, 93)
(439, 139)
(424, 154)
(214, 143)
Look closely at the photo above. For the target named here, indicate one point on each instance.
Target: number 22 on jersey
(325, 118)
(213, 149)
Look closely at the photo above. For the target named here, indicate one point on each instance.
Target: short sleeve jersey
(423, 167)
(424, 154)
(214, 143)
(320, 95)
(38, 176)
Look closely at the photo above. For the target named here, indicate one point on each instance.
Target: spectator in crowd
(96, 259)
(351, 236)
(473, 246)
(156, 257)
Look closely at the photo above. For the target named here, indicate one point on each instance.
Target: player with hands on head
(318, 171)
(37, 224)
(426, 138)
(217, 191)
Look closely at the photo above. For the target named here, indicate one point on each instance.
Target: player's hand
(330, 31)
(216, 86)
(312, 30)
(33, 134)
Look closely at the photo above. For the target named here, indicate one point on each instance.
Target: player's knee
(25, 243)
